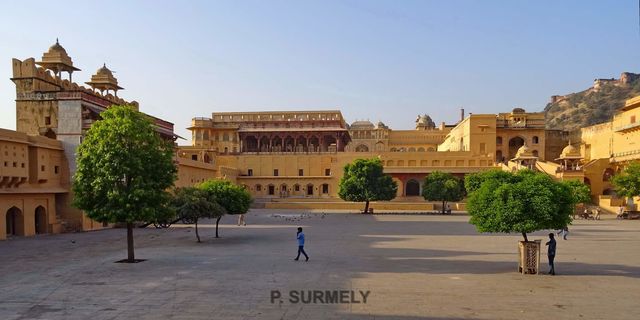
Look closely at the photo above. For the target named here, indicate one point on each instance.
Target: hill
(592, 106)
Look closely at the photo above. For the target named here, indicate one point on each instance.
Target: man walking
(300, 237)
(551, 253)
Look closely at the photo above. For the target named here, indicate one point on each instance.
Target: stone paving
(414, 266)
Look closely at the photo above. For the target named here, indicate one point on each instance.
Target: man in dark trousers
(300, 237)
(551, 253)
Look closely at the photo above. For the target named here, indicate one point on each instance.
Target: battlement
(40, 82)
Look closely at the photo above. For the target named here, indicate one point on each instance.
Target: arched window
(498, 140)
(362, 148)
(535, 140)
(325, 188)
(412, 149)
(535, 153)
(225, 137)
(258, 188)
(421, 149)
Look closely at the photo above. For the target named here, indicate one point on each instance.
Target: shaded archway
(41, 220)
(499, 157)
(413, 188)
(314, 144)
(289, 144)
(310, 189)
(514, 144)
(250, 144)
(15, 222)
(607, 174)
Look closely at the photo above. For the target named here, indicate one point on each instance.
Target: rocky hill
(594, 105)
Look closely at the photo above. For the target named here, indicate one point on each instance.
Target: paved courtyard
(415, 267)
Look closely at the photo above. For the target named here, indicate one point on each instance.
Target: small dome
(104, 71)
(425, 121)
(524, 153)
(570, 152)
(518, 110)
(57, 48)
(362, 124)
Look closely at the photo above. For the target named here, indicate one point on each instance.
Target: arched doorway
(499, 156)
(514, 144)
(413, 188)
(362, 148)
(608, 173)
(15, 222)
(309, 189)
(41, 220)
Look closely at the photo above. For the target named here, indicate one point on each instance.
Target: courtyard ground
(415, 267)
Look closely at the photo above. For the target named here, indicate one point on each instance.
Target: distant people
(586, 214)
(564, 232)
(241, 220)
(551, 253)
(597, 217)
(448, 209)
(300, 237)
(620, 214)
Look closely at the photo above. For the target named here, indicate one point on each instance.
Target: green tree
(444, 187)
(579, 190)
(233, 198)
(627, 183)
(522, 202)
(192, 204)
(123, 170)
(365, 181)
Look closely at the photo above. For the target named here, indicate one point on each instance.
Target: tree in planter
(192, 204)
(580, 191)
(233, 198)
(123, 171)
(627, 183)
(523, 202)
(444, 187)
(364, 181)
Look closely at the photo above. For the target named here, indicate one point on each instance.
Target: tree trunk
(197, 235)
(366, 207)
(217, 222)
(130, 254)
(525, 237)
(443, 206)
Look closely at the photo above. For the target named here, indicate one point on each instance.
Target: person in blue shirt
(551, 253)
(300, 237)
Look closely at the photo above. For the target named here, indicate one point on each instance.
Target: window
(483, 148)
(296, 187)
(272, 190)
(275, 172)
(535, 139)
(249, 172)
(6, 163)
(301, 172)
(225, 137)
(258, 187)
(15, 164)
(47, 120)
(56, 169)
(22, 165)
(41, 168)
(327, 172)
(194, 157)
(325, 188)
(498, 140)
(633, 119)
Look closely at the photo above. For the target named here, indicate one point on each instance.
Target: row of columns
(296, 142)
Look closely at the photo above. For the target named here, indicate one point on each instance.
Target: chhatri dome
(57, 60)
(104, 80)
(570, 152)
(425, 122)
(524, 153)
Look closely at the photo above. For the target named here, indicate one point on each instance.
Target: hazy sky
(377, 60)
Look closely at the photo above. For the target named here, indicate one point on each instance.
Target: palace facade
(295, 157)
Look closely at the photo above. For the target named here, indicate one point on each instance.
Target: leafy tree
(193, 203)
(579, 190)
(441, 186)
(364, 181)
(123, 170)
(627, 183)
(472, 182)
(523, 202)
(233, 198)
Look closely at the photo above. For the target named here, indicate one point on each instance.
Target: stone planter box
(529, 254)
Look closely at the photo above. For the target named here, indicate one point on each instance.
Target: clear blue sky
(377, 60)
